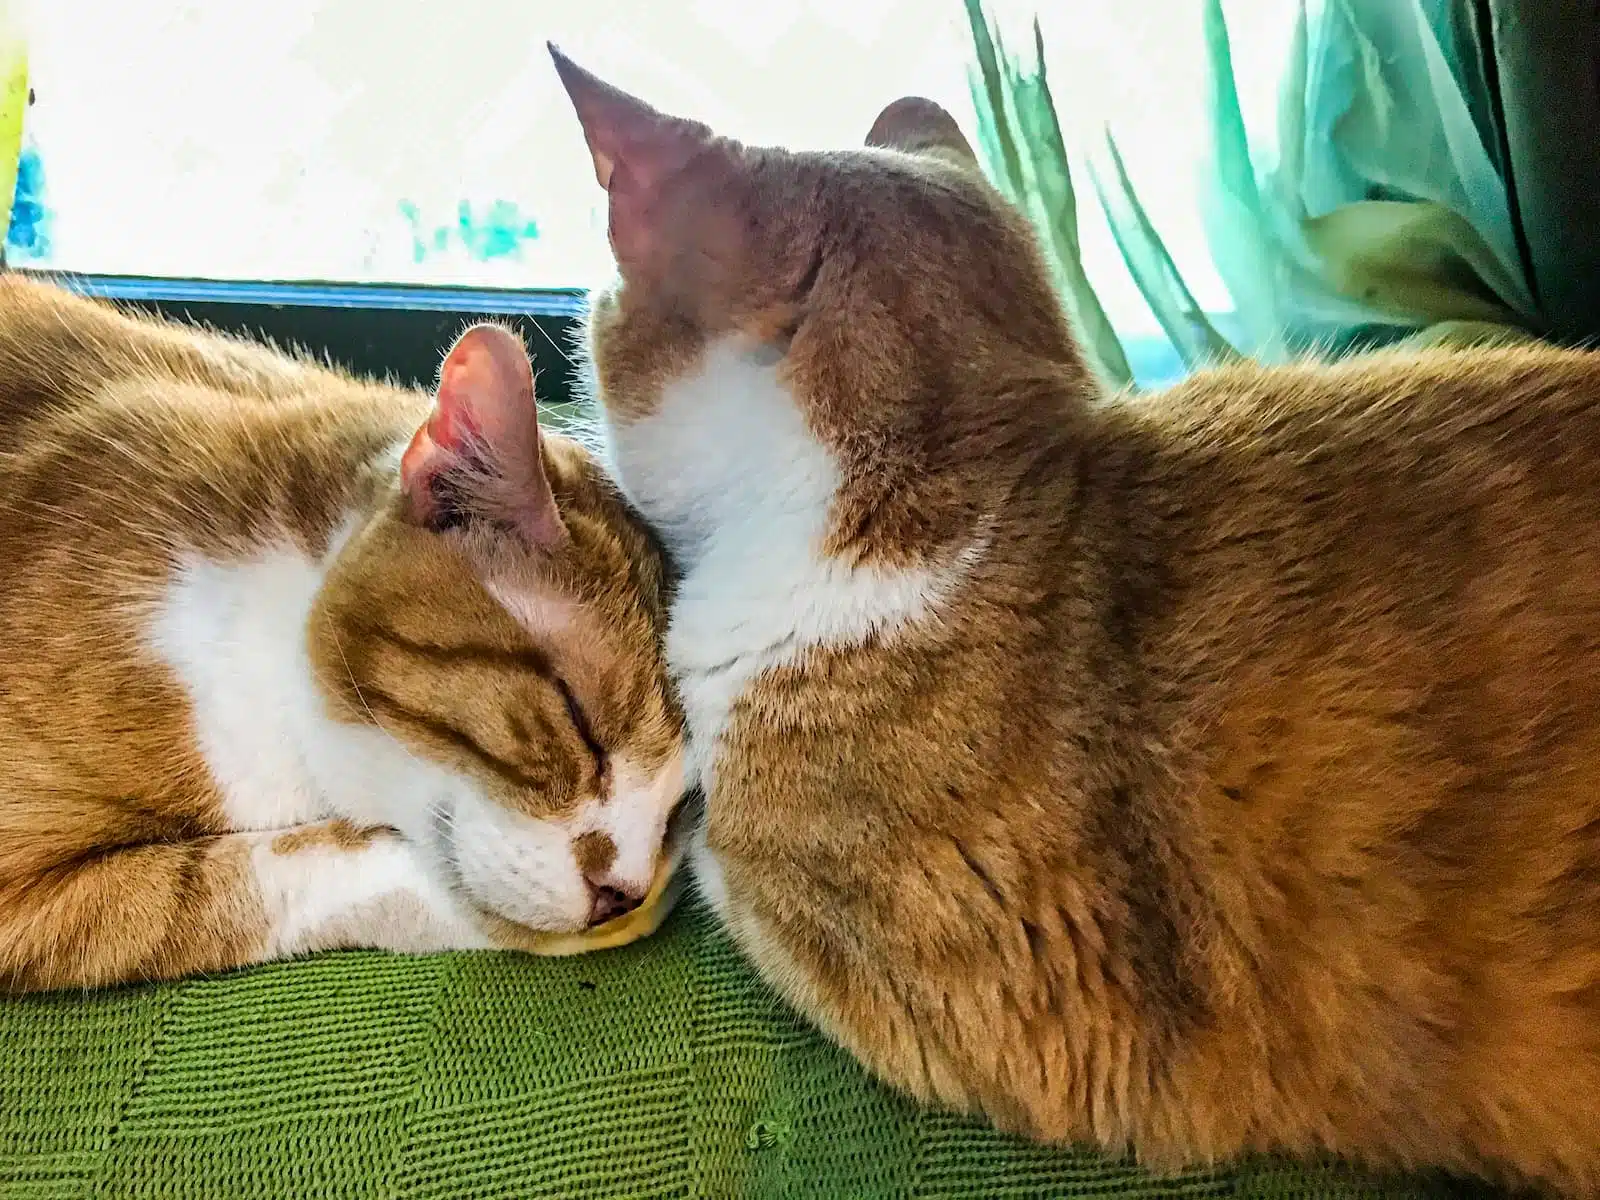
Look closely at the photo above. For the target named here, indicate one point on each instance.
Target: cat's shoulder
(60, 349)
(131, 422)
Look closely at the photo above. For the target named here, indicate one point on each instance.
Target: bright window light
(427, 143)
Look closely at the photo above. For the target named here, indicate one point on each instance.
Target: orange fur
(131, 446)
(1238, 787)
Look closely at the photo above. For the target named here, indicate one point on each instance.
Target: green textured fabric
(664, 1069)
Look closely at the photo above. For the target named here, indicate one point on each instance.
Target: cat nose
(610, 902)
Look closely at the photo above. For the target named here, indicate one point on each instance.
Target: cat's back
(1386, 571)
(142, 431)
(1371, 654)
(1315, 500)
(57, 347)
(1376, 416)
(152, 472)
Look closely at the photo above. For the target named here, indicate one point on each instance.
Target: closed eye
(581, 723)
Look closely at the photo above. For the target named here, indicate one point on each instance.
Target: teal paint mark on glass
(498, 230)
(413, 218)
(28, 237)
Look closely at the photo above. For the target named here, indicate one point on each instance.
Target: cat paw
(325, 887)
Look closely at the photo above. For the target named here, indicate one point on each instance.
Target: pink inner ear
(484, 432)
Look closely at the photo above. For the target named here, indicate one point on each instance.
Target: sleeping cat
(1200, 773)
(295, 661)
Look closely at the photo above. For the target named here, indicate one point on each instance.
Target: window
(426, 145)
(365, 141)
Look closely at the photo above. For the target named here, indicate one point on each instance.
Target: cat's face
(500, 617)
(847, 280)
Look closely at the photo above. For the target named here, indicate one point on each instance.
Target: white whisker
(554, 345)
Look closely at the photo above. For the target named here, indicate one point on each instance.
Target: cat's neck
(749, 530)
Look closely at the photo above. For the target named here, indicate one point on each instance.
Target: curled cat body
(1197, 773)
(296, 661)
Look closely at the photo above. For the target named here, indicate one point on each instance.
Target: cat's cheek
(519, 867)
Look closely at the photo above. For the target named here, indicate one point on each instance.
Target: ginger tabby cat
(296, 661)
(1197, 773)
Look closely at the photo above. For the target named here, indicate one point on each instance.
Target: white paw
(380, 895)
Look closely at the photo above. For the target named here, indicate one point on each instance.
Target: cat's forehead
(592, 602)
(479, 659)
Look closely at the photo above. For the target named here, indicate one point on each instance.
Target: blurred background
(1212, 177)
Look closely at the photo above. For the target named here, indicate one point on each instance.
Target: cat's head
(841, 321)
(500, 617)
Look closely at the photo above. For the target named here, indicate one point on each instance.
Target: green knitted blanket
(663, 1069)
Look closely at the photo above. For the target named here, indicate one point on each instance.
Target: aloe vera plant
(1326, 274)
(1180, 315)
(1020, 138)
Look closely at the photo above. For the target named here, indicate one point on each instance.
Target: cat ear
(635, 148)
(919, 126)
(479, 451)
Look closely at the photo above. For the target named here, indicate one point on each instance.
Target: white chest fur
(234, 634)
(741, 492)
